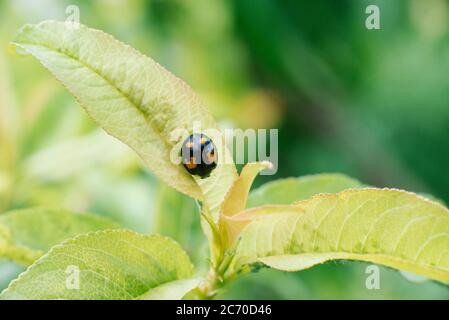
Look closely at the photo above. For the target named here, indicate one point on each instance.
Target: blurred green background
(373, 104)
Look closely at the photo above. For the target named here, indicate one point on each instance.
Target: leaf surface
(28, 233)
(236, 198)
(109, 264)
(289, 190)
(385, 226)
(134, 99)
(174, 290)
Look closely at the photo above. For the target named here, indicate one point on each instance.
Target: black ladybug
(199, 155)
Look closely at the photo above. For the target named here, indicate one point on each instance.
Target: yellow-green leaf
(385, 226)
(282, 191)
(289, 190)
(174, 290)
(28, 233)
(110, 264)
(235, 200)
(133, 98)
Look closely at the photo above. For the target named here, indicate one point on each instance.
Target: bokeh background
(373, 104)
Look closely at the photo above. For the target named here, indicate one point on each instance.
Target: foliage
(28, 233)
(291, 224)
(113, 264)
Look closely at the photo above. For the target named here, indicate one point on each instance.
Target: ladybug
(199, 155)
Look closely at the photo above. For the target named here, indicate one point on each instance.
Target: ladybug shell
(199, 155)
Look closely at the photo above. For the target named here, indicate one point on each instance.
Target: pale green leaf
(111, 264)
(26, 234)
(174, 290)
(236, 198)
(385, 226)
(289, 190)
(282, 191)
(134, 99)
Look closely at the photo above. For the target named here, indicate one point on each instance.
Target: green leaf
(282, 191)
(394, 228)
(289, 190)
(235, 200)
(174, 290)
(134, 99)
(111, 264)
(27, 233)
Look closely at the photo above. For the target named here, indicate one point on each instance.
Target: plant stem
(219, 272)
(217, 278)
(211, 286)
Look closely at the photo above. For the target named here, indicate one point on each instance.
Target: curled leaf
(236, 198)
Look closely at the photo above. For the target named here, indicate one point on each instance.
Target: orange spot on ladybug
(203, 140)
(191, 164)
(189, 144)
(211, 157)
